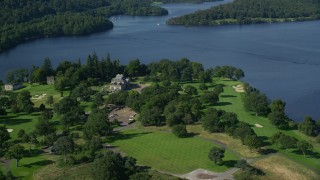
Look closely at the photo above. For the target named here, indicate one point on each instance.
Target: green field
(164, 151)
(231, 101)
(37, 89)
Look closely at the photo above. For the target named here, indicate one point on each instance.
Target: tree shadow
(229, 163)
(223, 103)
(120, 136)
(13, 122)
(134, 86)
(39, 163)
(228, 96)
(191, 134)
(309, 153)
(33, 152)
(265, 141)
(267, 151)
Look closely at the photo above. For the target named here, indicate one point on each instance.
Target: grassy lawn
(49, 90)
(19, 121)
(231, 143)
(231, 101)
(166, 152)
(28, 166)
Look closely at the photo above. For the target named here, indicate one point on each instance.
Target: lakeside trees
(31, 19)
(252, 11)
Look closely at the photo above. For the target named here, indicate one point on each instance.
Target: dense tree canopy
(252, 11)
(30, 19)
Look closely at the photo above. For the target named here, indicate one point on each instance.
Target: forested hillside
(253, 11)
(31, 19)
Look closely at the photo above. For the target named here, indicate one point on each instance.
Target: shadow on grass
(223, 103)
(134, 86)
(13, 122)
(191, 134)
(309, 154)
(229, 163)
(39, 163)
(268, 151)
(265, 141)
(120, 136)
(228, 96)
(33, 152)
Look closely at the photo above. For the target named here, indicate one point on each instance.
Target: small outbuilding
(12, 87)
(50, 80)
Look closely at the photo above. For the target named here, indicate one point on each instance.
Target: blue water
(280, 59)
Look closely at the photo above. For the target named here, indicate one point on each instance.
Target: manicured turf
(49, 90)
(28, 166)
(231, 101)
(166, 152)
(19, 121)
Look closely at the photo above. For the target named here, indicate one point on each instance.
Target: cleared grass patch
(233, 144)
(52, 172)
(166, 152)
(278, 167)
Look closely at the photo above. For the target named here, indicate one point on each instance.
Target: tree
(279, 119)
(47, 68)
(190, 90)
(253, 142)
(44, 126)
(256, 102)
(75, 116)
(203, 87)
(180, 131)
(66, 105)
(2, 176)
(278, 116)
(211, 121)
(287, 142)
(218, 89)
(150, 116)
(64, 145)
(216, 154)
(49, 100)
(30, 138)
(304, 146)
(109, 166)
(210, 97)
(238, 74)
(83, 92)
(134, 68)
(98, 99)
(97, 124)
(61, 84)
(308, 126)
(23, 102)
(17, 152)
(4, 138)
(205, 76)
(21, 133)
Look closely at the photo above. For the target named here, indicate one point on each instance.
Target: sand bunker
(9, 130)
(258, 125)
(239, 88)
